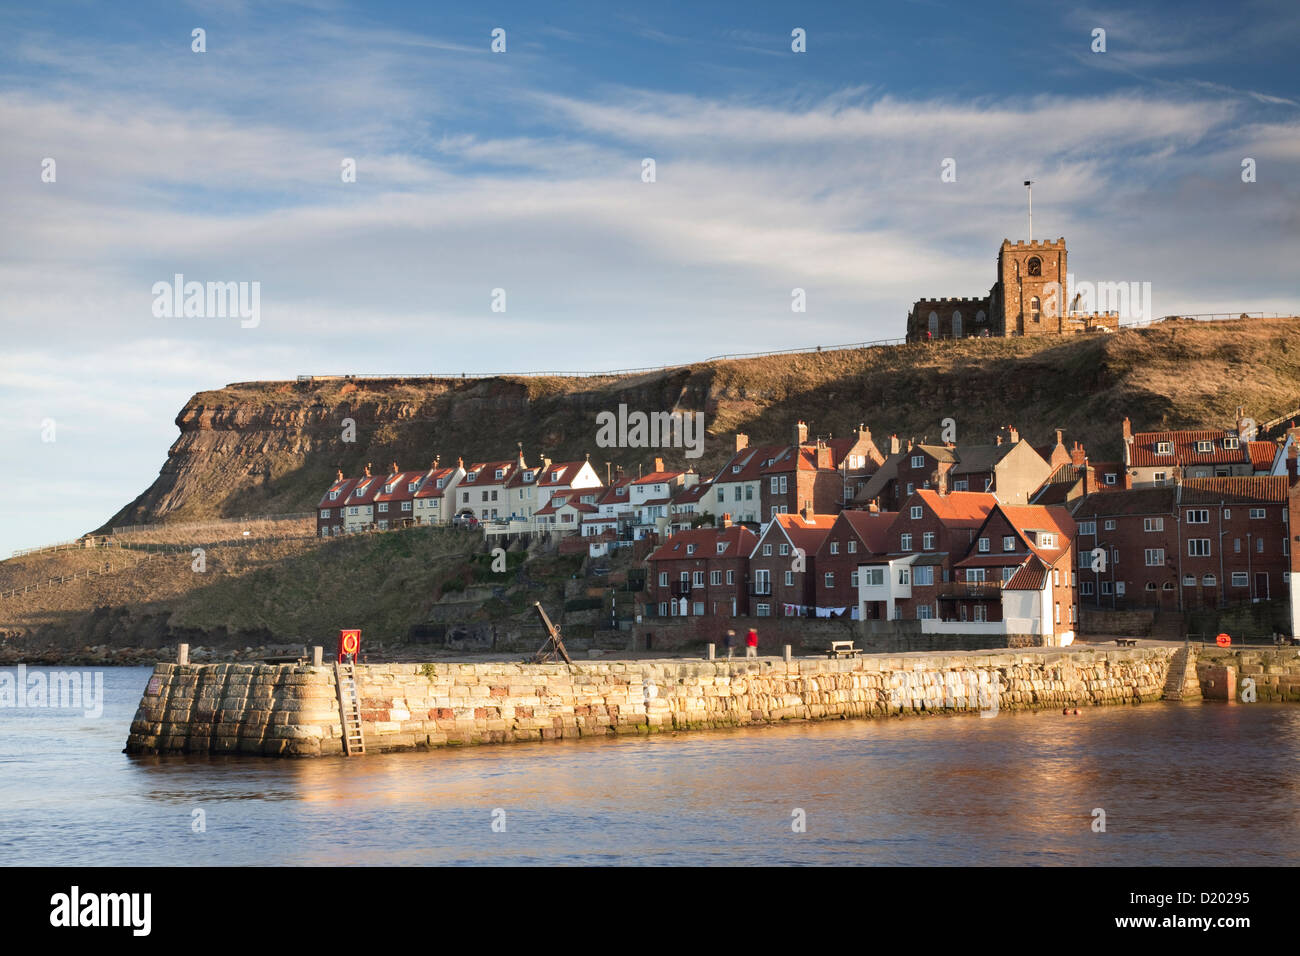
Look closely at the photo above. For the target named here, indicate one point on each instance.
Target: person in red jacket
(751, 643)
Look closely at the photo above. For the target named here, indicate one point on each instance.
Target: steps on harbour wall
(1181, 682)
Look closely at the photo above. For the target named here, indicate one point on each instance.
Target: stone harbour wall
(1276, 672)
(292, 710)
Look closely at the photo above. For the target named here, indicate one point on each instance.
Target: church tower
(1029, 296)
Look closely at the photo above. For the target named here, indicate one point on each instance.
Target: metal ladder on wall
(345, 679)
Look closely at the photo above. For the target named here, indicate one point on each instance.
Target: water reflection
(1196, 784)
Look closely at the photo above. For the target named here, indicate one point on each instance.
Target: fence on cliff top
(877, 343)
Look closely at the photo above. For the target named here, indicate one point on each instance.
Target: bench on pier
(842, 649)
(1126, 641)
(285, 659)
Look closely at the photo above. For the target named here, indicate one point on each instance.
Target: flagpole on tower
(1029, 184)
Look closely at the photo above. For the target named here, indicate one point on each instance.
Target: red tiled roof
(871, 527)
(1053, 519)
(611, 495)
(343, 487)
(691, 494)
(486, 472)
(364, 491)
(429, 487)
(1143, 450)
(739, 540)
(567, 470)
(1031, 577)
(399, 483)
(750, 461)
(805, 533)
(959, 509)
(1242, 489)
(657, 476)
(1262, 454)
(1127, 501)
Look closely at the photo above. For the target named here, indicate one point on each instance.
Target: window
(1204, 447)
(1046, 540)
(853, 547)
(1056, 578)
(927, 541)
(1256, 514)
(1035, 309)
(1239, 579)
(853, 579)
(722, 547)
(875, 577)
(923, 576)
(789, 579)
(1231, 442)
(1105, 588)
(974, 575)
(835, 547)
(1109, 525)
(1259, 545)
(690, 548)
(1236, 546)
(910, 488)
(984, 545)
(663, 608)
(749, 493)
(830, 579)
(956, 325)
(383, 507)
(1058, 613)
(406, 506)
(905, 542)
(1153, 524)
(774, 484)
(500, 472)
(352, 510)
(961, 485)
(905, 576)
(916, 512)
(333, 495)
(1198, 516)
(1198, 547)
(934, 323)
(715, 578)
(1008, 574)
(783, 479)
(663, 579)
(918, 461)
(1086, 589)
(697, 608)
(764, 610)
(1111, 478)
(1164, 448)
(1209, 581)
(1158, 477)
(767, 550)
(1155, 557)
(784, 549)
(324, 512)
(1227, 514)
(924, 612)
(1088, 527)
(731, 577)
(697, 579)
(981, 613)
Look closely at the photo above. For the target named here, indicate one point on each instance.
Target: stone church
(1026, 299)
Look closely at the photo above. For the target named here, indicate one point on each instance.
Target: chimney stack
(1058, 437)
(1077, 455)
(998, 439)
(800, 433)
(393, 468)
(340, 475)
(726, 519)
(659, 464)
(460, 462)
(864, 433)
(893, 445)
(1015, 435)
(436, 459)
(1128, 430)
(742, 442)
(874, 506)
(367, 469)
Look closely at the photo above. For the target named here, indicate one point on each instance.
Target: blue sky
(522, 170)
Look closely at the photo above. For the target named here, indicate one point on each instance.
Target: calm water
(1198, 784)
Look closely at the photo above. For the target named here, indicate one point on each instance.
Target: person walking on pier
(730, 642)
(751, 643)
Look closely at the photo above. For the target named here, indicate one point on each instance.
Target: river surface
(1193, 784)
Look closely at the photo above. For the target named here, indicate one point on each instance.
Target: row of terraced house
(999, 536)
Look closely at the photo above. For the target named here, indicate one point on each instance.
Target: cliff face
(271, 447)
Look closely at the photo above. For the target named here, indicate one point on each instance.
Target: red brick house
(853, 537)
(394, 501)
(1235, 541)
(699, 572)
(1024, 548)
(934, 532)
(1137, 532)
(329, 511)
(781, 566)
(1154, 458)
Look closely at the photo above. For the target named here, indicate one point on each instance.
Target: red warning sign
(1223, 640)
(349, 645)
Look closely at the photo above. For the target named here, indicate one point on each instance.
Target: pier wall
(292, 710)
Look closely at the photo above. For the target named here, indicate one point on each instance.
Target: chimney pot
(659, 464)
(742, 442)
(801, 433)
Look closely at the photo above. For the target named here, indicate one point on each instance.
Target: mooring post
(787, 654)
(712, 648)
(317, 656)
(182, 653)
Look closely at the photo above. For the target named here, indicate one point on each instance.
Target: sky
(525, 171)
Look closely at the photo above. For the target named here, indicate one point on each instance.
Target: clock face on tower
(1035, 266)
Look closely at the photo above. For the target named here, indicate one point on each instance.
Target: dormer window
(735, 469)
(1164, 448)
(500, 472)
(441, 482)
(472, 476)
(722, 546)
(1231, 443)
(1046, 540)
(690, 549)
(333, 495)
(412, 486)
(555, 476)
(620, 492)
(1204, 447)
(528, 476)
